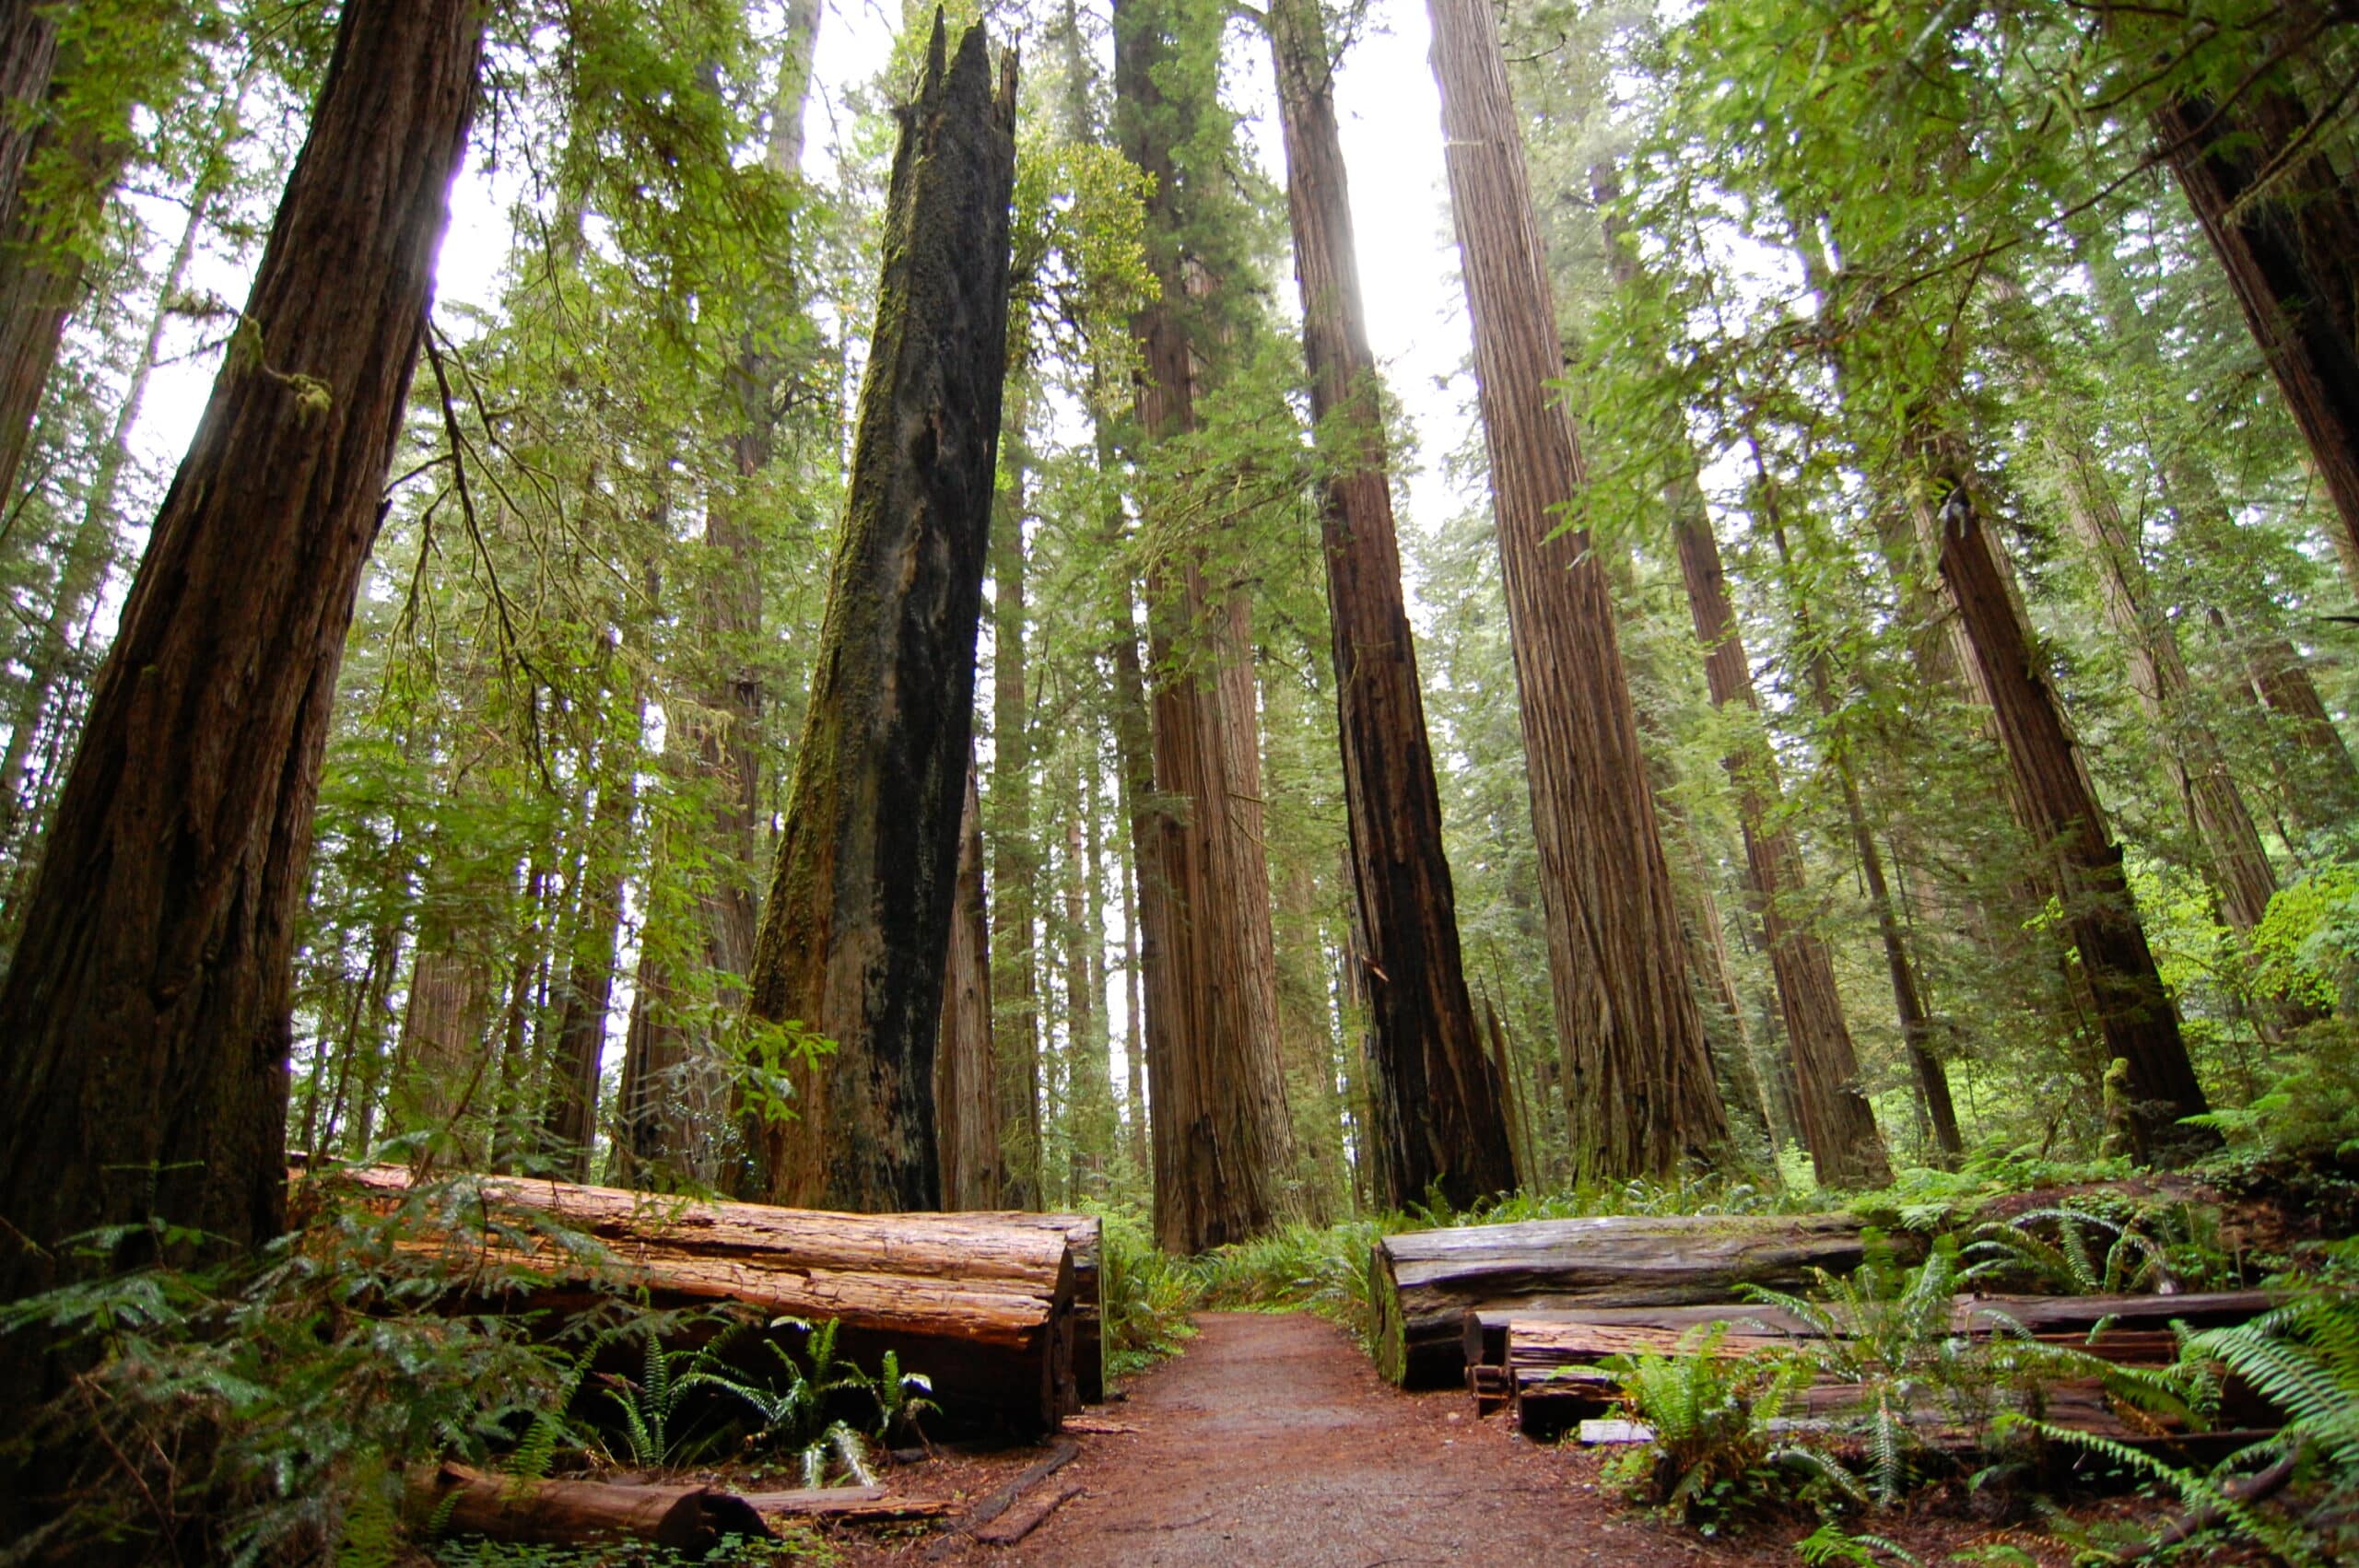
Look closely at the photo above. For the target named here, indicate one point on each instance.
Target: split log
(1424, 1283)
(984, 1310)
(454, 1499)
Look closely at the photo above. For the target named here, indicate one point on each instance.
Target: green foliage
(1713, 1460)
(796, 1408)
(265, 1408)
(1144, 1297)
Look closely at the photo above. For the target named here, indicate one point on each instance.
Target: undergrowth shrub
(264, 1409)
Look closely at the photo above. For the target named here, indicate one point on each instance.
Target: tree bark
(1838, 1124)
(858, 923)
(2296, 295)
(2235, 863)
(1639, 1087)
(966, 1106)
(91, 550)
(1222, 1140)
(144, 1020)
(27, 59)
(2134, 1012)
(1014, 860)
(1439, 1118)
(569, 1113)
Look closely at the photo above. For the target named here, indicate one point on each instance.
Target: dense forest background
(1833, 282)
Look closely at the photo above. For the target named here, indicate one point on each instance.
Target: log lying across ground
(1423, 1283)
(689, 1517)
(983, 1305)
(1085, 1234)
(1545, 1365)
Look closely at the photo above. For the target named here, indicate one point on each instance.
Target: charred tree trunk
(966, 1108)
(1440, 1119)
(145, 1017)
(858, 924)
(2133, 1011)
(1640, 1088)
(1221, 1135)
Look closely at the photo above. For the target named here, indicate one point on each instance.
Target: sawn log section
(987, 1305)
(1423, 1283)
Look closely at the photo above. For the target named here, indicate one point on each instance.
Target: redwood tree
(1222, 1136)
(1638, 1082)
(1438, 1109)
(145, 1024)
(2134, 1012)
(857, 929)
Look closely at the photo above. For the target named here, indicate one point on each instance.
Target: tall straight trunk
(2133, 1011)
(1900, 968)
(1838, 1124)
(1222, 1140)
(853, 939)
(509, 1113)
(1153, 996)
(92, 544)
(1014, 861)
(55, 212)
(1639, 1081)
(2235, 863)
(145, 1023)
(27, 59)
(966, 1109)
(439, 1062)
(2295, 291)
(728, 597)
(1089, 1117)
(1440, 1117)
(1133, 1051)
(569, 1110)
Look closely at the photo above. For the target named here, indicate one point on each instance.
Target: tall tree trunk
(1838, 1124)
(853, 939)
(1441, 1118)
(2294, 291)
(1640, 1088)
(1223, 1141)
(1015, 859)
(2134, 1012)
(1089, 1095)
(570, 1111)
(966, 1106)
(27, 59)
(144, 1023)
(2236, 864)
(441, 1063)
(1153, 995)
(92, 544)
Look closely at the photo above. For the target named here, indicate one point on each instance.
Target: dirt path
(1272, 1442)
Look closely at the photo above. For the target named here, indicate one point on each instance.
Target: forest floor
(1272, 1442)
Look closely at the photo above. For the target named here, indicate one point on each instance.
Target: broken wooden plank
(1028, 1515)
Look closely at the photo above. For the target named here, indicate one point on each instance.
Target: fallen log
(1085, 1234)
(455, 1500)
(985, 1309)
(1422, 1283)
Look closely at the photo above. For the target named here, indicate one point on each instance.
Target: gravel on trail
(1271, 1443)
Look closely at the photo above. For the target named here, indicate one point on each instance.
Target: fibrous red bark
(1639, 1087)
(1436, 1101)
